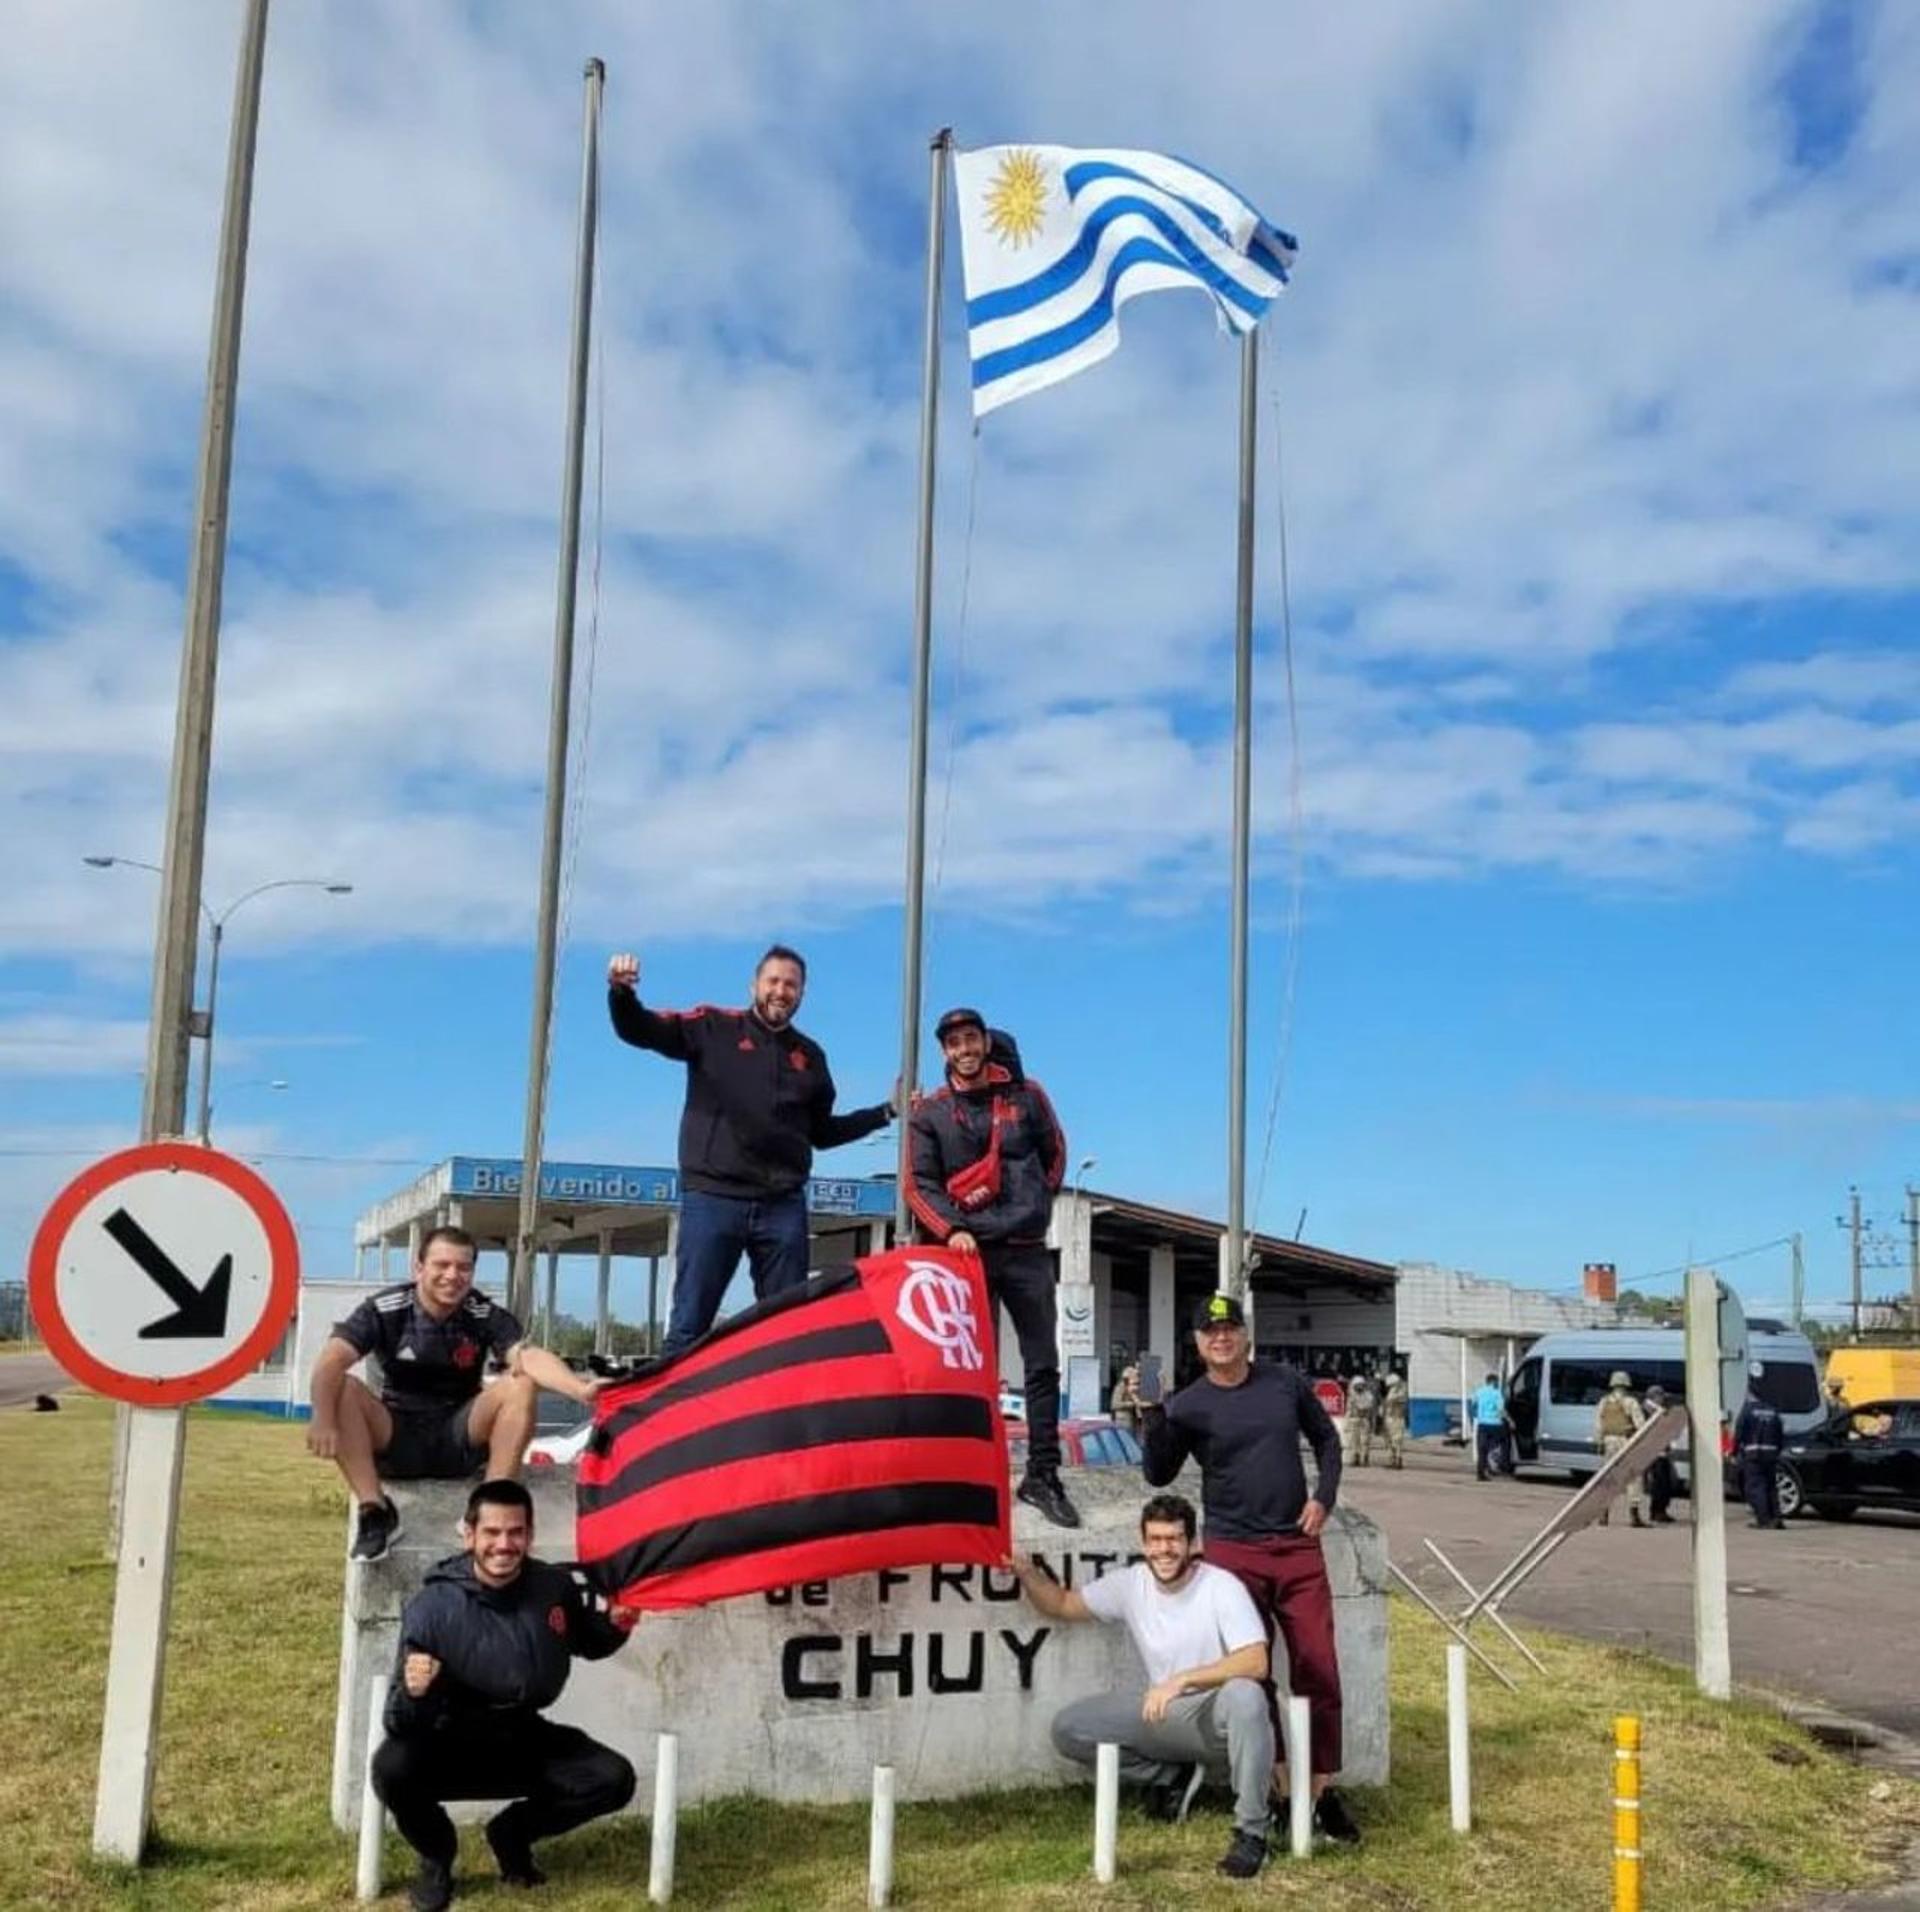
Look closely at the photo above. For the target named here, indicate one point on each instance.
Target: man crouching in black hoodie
(486, 1642)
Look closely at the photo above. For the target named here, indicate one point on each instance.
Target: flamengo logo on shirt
(938, 1306)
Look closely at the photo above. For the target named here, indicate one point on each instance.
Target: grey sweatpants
(1228, 1728)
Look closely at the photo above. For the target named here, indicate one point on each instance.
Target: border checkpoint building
(1130, 1273)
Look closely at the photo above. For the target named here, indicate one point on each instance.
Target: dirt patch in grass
(1741, 1808)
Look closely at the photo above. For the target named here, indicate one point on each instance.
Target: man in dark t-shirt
(1244, 1421)
(431, 1419)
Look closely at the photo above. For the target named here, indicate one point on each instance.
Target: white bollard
(1106, 1809)
(666, 1812)
(1299, 1777)
(373, 1815)
(1459, 1773)
(880, 1839)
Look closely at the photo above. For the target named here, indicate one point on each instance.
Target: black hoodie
(504, 1652)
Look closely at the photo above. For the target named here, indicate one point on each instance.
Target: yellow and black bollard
(1626, 1814)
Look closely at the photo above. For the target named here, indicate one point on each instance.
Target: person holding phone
(986, 1156)
(1244, 1421)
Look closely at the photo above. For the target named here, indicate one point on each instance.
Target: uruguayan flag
(1055, 239)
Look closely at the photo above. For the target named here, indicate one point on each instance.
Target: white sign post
(1706, 1388)
(159, 1275)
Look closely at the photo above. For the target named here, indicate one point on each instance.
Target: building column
(383, 1261)
(877, 1233)
(1070, 1234)
(673, 1264)
(360, 1259)
(1162, 1329)
(603, 1281)
(1466, 1418)
(415, 1229)
(553, 1290)
(1103, 1313)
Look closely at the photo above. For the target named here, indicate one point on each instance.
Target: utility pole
(1799, 1282)
(149, 1476)
(1852, 1223)
(1913, 1259)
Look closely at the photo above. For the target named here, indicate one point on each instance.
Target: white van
(1554, 1391)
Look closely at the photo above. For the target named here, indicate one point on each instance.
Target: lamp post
(202, 1024)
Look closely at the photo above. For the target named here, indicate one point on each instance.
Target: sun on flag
(1054, 240)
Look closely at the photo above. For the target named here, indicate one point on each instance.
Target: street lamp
(1080, 1174)
(202, 1023)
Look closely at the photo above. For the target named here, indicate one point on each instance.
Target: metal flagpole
(539, 1045)
(150, 1443)
(942, 149)
(1234, 1275)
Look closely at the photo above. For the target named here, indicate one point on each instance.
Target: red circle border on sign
(283, 1281)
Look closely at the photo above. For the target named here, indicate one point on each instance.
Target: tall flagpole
(540, 1042)
(942, 149)
(1236, 1270)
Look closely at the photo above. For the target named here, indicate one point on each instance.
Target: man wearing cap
(759, 1102)
(1617, 1418)
(1244, 1420)
(1758, 1436)
(985, 1157)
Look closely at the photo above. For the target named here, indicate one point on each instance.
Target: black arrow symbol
(199, 1314)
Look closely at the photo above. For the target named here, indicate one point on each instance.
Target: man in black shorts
(431, 1420)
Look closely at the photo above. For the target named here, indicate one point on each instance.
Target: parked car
(1866, 1457)
(1089, 1443)
(1552, 1395)
(560, 1429)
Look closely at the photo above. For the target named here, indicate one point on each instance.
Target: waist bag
(977, 1186)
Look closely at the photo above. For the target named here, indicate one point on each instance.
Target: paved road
(22, 1376)
(1822, 1611)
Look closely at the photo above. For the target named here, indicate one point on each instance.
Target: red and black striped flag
(841, 1427)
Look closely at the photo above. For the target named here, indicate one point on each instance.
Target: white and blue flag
(1056, 239)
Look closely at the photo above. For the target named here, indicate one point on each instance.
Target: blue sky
(1600, 393)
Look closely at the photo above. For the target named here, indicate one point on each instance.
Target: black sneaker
(375, 1532)
(1332, 1820)
(513, 1854)
(1172, 1799)
(1245, 1856)
(432, 1887)
(1045, 1492)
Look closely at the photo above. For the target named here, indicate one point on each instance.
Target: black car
(1867, 1456)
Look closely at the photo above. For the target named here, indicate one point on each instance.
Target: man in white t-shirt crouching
(1205, 1652)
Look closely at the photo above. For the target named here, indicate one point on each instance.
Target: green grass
(1741, 1809)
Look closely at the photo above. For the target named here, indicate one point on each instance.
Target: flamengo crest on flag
(1055, 239)
(846, 1426)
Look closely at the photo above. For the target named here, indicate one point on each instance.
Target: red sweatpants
(1287, 1576)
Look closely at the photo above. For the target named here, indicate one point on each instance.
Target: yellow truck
(1876, 1374)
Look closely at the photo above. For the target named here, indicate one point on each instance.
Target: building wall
(1506, 1322)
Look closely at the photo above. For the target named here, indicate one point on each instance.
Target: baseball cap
(958, 1019)
(1219, 1311)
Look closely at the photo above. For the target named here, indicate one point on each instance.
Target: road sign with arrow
(164, 1273)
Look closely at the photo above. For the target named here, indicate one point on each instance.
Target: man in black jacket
(759, 1102)
(484, 1645)
(986, 1158)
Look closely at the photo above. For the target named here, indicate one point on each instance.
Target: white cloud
(1577, 358)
